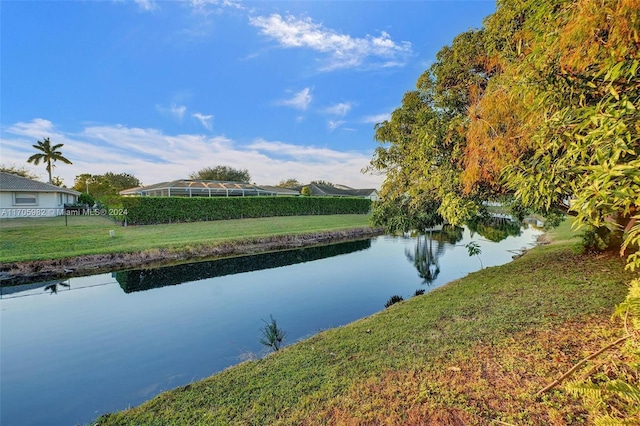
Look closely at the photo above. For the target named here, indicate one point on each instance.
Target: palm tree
(49, 154)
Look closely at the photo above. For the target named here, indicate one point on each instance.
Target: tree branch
(579, 364)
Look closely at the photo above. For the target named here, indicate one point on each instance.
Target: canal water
(75, 349)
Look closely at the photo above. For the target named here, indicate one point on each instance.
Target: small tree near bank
(474, 249)
(272, 335)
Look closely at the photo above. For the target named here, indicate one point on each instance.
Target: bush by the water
(393, 300)
(153, 210)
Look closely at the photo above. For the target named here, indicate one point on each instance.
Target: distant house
(22, 197)
(214, 188)
(280, 191)
(197, 188)
(341, 191)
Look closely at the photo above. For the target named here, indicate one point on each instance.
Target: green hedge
(151, 210)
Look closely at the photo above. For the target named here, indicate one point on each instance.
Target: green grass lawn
(50, 238)
(472, 352)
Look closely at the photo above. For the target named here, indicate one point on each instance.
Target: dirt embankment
(14, 273)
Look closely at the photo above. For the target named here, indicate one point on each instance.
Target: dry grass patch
(488, 384)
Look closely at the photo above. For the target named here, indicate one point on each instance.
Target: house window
(25, 198)
(60, 200)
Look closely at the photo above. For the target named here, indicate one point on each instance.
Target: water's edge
(16, 273)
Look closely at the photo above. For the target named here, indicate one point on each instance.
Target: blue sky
(160, 89)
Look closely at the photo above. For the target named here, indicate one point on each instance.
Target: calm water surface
(72, 351)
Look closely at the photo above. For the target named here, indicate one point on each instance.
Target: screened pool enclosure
(205, 188)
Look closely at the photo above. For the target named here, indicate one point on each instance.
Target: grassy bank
(50, 238)
(473, 352)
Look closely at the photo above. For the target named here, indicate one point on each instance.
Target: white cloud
(343, 51)
(299, 100)
(203, 19)
(340, 109)
(298, 152)
(205, 120)
(178, 111)
(203, 5)
(153, 156)
(375, 119)
(334, 124)
(147, 5)
(36, 128)
(306, 163)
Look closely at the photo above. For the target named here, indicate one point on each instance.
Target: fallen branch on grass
(579, 364)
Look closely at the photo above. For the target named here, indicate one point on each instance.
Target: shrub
(272, 335)
(393, 300)
(152, 210)
(85, 198)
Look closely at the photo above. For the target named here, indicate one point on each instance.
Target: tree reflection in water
(431, 244)
(53, 288)
(495, 228)
(425, 256)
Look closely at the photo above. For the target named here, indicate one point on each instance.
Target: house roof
(338, 190)
(194, 187)
(364, 192)
(279, 190)
(358, 192)
(11, 183)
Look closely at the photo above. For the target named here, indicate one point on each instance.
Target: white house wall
(48, 205)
